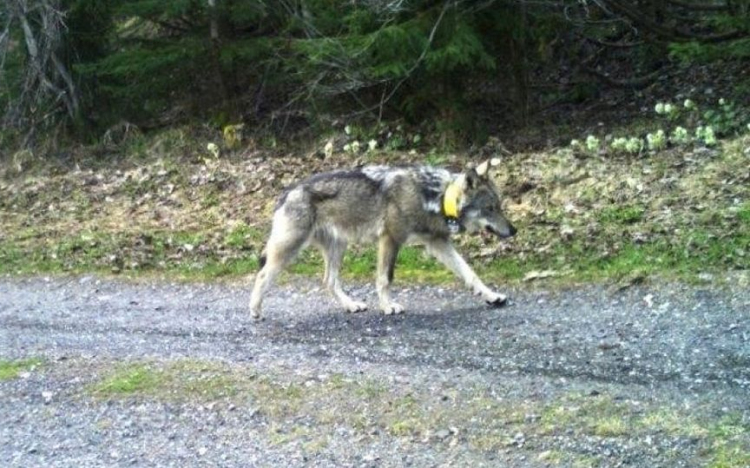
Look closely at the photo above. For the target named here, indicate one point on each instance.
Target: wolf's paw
(355, 306)
(392, 308)
(255, 314)
(495, 299)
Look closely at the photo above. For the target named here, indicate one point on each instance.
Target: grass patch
(175, 254)
(242, 236)
(729, 442)
(693, 253)
(172, 214)
(11, 369)
(179, 380)
(646, 230)
(626, 214)
(413, 264)
(297, 411)
(671, 422)
(138, 378)
(193, 256)
(601, 416)
(612, 426)
(728, 455)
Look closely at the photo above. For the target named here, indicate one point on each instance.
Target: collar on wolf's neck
(450, 200)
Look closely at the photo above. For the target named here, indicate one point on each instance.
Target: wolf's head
(480, 207)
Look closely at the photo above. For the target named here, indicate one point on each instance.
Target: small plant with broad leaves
(680, 136)
(686, 124)
(727, 118)
(592, 144)
(706, 135)
(656, 141)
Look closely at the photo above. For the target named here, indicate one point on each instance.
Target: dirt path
(650, 376)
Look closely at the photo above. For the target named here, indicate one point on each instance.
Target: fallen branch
(635, 83)
(700, 6)
(632, 13)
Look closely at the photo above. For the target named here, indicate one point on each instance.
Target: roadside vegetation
(11, 369)
(151, 138)
(169, 208)
(305, 411)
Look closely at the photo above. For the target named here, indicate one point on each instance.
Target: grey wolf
(387, 205)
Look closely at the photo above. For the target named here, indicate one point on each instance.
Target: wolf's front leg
(444, 251)
(387, 253)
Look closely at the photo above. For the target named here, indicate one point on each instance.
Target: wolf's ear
(483, 168)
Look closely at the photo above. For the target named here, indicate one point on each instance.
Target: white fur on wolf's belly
(364, 233)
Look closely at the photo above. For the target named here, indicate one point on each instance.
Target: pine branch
(700, 6)
(631, 12)
(635, 83)
(614, 45)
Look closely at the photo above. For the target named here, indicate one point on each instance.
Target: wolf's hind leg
(446, 254)
(333, 250)
(283, 246)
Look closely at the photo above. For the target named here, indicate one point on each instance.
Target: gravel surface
(654, 375)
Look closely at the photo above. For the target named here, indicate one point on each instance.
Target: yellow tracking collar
(450, 200)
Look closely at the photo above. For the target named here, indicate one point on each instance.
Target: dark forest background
(456, 68)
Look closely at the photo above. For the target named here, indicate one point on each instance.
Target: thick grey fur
(387, 205)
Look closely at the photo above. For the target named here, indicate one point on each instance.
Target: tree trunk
(518, 63)
(227, 101)
(42, 49)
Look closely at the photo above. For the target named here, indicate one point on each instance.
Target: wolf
(388, 205)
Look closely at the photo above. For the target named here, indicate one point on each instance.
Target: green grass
(177, 380)
(743, 213)
(138, 378)
(730, 442)
(693, 253)
(11, 369)
(205, 239)
(242, 235)
(174, 254)
(728, 455)
(182, 255)
(612, 426)
(413, 264)
(625, 214)
(712, 240)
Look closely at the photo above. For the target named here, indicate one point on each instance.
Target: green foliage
(694, 51)
(139, 78)
(11, 369)
(426, 62)
(622, 214)
(158, 9)
(686, 124)
(90, 23)
(136, 378)
(727, 118)
(11, 73)
(176, 380)
(463, 50)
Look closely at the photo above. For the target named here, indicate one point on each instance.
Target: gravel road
(652, 375)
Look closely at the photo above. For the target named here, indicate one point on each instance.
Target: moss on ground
(11, 369)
